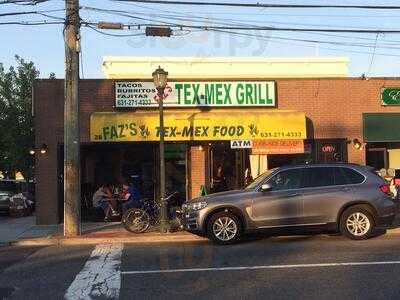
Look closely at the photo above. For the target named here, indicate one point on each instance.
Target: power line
(283, 41)
(288, 14)
(245, 28)
(221, 29)
(215, 28)
(373, 54)
(133, 15)
(18, 13)
(197, 19)
(270, 28)
(123, 14)
(23, 2)
(261, 5)
(192, 18)
(51, 17)
(32, 23)
(111, 34)
(347, 44)
(34, 12)
(268, 14)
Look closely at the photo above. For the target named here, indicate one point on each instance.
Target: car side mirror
(266, 188)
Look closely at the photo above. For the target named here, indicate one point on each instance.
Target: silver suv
(345, 198)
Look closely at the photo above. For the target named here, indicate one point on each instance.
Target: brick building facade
(333, 108)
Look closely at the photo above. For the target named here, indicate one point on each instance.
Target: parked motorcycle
(20, 205)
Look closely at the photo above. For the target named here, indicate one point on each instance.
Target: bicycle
(139, 220)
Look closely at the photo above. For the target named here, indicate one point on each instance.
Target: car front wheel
(224, 228)
(357, 223)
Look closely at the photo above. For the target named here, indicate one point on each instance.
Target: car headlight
(196, 205)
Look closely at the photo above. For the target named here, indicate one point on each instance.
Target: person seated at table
(131, 196)
(102, 198)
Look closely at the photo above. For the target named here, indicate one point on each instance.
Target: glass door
(227, 167)
(175, 169)
(377, 158)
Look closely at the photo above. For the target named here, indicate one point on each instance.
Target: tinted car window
(287, 180)
(317, 177)
(351, 176)
(339, 177)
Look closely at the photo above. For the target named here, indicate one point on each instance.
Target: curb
(108, 240)
(148, 240)
(393, 231)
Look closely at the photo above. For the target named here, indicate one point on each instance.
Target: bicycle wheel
(155, 216)
(136, 220)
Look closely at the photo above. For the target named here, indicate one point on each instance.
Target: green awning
(381, 127)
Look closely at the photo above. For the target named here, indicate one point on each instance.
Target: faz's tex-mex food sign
(202, 126)
(196, 94)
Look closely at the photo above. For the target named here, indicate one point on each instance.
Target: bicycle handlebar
(171, 195)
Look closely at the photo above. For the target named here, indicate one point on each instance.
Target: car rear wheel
(357, 223)
(224, 228)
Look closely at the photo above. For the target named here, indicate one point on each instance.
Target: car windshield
(259, 179)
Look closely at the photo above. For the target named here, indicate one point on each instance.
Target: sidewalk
(23, 232)
(12, 228)
(96, 233)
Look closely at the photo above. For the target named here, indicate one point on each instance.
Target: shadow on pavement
(379, 232)
(293, 236)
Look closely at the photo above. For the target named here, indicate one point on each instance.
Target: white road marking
(100, 276)
(299, 266)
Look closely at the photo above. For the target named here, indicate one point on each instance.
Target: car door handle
(346, 189)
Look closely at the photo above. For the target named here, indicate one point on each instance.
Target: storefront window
(175, 169)
(331, 150)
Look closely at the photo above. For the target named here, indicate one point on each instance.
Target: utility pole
(72, 180)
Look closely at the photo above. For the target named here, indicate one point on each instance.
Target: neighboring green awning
(381, 127)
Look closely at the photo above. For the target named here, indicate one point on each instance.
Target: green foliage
(16, 121)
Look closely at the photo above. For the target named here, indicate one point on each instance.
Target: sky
(370, 54)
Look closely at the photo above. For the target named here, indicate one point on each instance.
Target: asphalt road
(313, 267)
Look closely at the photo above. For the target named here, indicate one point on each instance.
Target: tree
(16, 121)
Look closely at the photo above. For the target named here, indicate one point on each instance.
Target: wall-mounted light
(357, 144)
(44, 149)
(201, 148)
